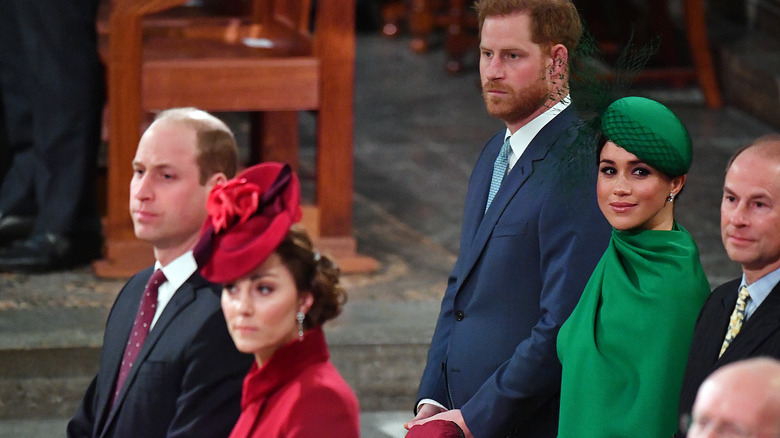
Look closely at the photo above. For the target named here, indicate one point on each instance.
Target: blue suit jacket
(521, 270)
(188, 376)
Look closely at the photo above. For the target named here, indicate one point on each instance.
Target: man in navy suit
(750, 230)
(527, 250)
(52, 96)
(187, 377)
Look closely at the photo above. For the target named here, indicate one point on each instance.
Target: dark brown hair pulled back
(315, 273)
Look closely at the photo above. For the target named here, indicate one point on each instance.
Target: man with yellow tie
(741, 318)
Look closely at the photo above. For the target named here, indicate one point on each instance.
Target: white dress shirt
(759, 290)
(523, 136)
(176, 273)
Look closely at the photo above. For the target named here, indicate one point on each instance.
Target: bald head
(742, 397)
(768, 146)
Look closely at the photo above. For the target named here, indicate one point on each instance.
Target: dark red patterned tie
(143, 321)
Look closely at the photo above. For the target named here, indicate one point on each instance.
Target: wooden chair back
(270, 58)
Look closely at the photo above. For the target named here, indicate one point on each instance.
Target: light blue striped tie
(499, 170)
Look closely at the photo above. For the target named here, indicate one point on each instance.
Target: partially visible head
(741, 399)
(750, 207)
(644, 157)
(524, 55)
(180, 157)
(268, 266)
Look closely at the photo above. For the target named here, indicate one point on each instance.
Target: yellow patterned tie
(737, 316)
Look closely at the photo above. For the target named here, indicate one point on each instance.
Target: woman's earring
(300, 317)
(671, 197)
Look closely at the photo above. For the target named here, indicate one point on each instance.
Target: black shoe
(13, 228)
(48, 252)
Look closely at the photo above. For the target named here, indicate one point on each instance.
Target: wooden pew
(267, 62)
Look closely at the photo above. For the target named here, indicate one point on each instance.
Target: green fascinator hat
(650, 131)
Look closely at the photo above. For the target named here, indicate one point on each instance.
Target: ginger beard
(517, 104)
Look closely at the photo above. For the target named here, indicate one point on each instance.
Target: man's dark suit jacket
(521, 270)
(188, 376)
(759, 336)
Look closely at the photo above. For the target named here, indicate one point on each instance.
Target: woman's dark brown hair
(313, 273)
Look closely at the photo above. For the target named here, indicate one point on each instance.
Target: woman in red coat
(278, 292)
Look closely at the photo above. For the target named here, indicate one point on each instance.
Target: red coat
(298, 393)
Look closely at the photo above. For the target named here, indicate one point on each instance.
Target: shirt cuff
(430, 402)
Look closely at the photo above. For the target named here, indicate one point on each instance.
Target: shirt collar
(760, 289)
(523, 136)
(178, 271)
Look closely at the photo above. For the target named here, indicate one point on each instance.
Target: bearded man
(532, 234)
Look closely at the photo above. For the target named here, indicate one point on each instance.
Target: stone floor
(418, 132)
(385, 424)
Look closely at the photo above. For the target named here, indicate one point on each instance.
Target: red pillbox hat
(249, 216)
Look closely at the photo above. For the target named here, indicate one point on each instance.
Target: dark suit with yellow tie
(759, 336)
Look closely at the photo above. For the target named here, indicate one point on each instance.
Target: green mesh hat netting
(650, 131)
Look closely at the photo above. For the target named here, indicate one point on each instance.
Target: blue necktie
(499, 170)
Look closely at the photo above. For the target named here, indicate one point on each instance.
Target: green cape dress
(625, 346)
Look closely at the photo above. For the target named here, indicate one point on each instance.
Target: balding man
(740, 399)
(740, 318)
(168, 367)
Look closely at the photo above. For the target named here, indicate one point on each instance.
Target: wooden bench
(265, 61)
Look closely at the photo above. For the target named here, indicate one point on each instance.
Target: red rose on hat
(233, 200)
(249, 216)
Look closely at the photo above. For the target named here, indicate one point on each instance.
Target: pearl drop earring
(300, 317)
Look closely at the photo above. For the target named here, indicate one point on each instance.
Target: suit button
(459, 315)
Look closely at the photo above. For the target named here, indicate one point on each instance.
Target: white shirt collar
(759, 290)
(523, 136)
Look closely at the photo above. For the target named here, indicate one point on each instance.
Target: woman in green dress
(625, 346)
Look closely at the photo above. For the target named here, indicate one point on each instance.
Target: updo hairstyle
(313, 273)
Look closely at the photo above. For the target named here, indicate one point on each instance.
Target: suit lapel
(727, 303)
(123, 318)
(537, 150)
(764, 323)
(476, 197)
(182, 298)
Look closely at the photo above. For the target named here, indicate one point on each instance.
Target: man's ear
(217, 178)
(560, 61)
